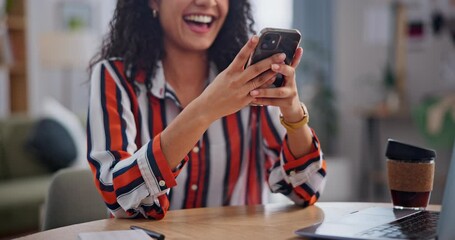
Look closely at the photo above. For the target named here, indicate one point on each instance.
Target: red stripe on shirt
(162, 163)
(115, 128)
(302, 193)
(109, 197)
(267, 131)
(324, 165)
(127, 177)
(134, 103)
(164, 206)
(158, 124)
(253, 189)
(202, 171)
(233, 137)
(294, 163)
(193, 180)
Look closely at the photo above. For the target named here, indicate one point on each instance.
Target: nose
(206, 3)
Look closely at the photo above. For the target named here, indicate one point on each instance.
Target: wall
(427, 56)
(356, 65)
(4, 94)
(358, 73)
(42, 18)
(263, 9)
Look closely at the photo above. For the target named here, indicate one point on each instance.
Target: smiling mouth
(199, 20)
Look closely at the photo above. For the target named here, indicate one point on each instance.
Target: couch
(31, 151)
(24, 180)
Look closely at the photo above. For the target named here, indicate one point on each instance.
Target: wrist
(294, 113)
(292, 125)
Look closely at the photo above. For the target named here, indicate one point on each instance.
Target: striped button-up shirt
(236, 161)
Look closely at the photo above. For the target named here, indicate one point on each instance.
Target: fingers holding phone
(261, 66)
(273, 41)
(288, 71)
(297, 57)
(286, 95)
(256, 72)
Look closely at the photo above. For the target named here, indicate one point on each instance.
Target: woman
(174, 117)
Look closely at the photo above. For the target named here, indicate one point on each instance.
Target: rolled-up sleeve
(155, 170)
(300, 179)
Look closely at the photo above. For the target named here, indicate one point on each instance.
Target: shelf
(16, 23)
(18, 69)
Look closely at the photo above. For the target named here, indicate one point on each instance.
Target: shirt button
(292, 173)
(196, 149)
(162, 183)
(194, 187)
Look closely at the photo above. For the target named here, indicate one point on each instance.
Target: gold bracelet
(291, 127)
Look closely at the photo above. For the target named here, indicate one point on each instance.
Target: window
(272, 13)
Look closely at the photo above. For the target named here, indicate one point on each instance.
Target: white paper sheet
(115, 235)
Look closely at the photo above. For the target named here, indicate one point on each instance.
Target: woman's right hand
(229, 92)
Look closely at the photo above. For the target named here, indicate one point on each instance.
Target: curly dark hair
(137, 38)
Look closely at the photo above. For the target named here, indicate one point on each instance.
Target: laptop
(388, 223)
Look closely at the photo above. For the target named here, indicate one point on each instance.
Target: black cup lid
(402, 151)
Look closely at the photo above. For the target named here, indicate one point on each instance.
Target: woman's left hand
(286, 97)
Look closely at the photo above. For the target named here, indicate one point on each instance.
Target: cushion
(52, 109)
(58, 138)
(52, 144)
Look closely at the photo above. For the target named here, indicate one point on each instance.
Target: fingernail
(275, 66)
(254, 39)
(254, 93)
(271, 80)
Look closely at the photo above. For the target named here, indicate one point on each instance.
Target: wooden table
(273, 221)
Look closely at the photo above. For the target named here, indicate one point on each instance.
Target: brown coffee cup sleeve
(410, 177)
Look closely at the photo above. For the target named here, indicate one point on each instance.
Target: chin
(200, 45)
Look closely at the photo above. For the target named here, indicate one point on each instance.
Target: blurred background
(372, 70)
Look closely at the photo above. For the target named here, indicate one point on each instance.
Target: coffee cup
(410, 172)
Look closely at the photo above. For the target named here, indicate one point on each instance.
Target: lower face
(192, 26)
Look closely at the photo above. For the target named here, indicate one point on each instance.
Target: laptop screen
(447, 215)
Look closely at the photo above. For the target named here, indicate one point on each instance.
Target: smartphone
(276, 40)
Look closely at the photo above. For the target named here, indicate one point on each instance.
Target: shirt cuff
(299, 170)
(155, 169)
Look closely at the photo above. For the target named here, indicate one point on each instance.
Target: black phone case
(288, 42)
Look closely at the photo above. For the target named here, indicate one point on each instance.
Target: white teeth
(199, 18)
